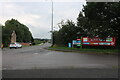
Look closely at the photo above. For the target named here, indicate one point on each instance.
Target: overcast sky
(37, 15)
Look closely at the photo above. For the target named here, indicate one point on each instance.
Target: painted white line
(35, 53)
(4, 69)
(48, 53)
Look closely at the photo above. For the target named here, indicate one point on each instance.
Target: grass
(87, 50)
(116, 67)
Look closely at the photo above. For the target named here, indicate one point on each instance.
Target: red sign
(96, 41)
(78, 39)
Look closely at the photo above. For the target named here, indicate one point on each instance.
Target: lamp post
(52, 25)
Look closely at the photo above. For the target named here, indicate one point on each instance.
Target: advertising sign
(77, 42)
(96, 41)
(74, 42)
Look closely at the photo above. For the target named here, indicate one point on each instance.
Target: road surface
(37, 62)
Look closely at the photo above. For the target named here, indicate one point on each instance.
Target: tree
(0, 34)
(22, 32)
(101, 19)
(5, 36)
(68, 32)
(103, 16)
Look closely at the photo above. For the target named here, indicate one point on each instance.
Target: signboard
(69, 45)
(77, 42)
(74, 42)
(96, 41)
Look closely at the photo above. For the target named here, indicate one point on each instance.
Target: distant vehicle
(15, 45)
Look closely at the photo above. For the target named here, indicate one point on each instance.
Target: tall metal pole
(52, 25)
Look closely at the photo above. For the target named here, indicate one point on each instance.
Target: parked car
(15, 45)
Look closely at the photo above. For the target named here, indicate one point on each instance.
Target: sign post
(81, 42)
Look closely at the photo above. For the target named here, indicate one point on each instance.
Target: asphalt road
(37, 62)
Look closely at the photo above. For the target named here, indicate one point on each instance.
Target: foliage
(22, 32)
(67, 33)
(101, 19)
(97, 19)
(0, 34)
(39, 41)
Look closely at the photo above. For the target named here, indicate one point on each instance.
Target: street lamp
(52, 42)
(52, 25)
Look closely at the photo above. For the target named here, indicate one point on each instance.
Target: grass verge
(85, 50)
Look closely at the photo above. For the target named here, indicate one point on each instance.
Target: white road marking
(35, 53)
(48, 53)
(4, 69)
